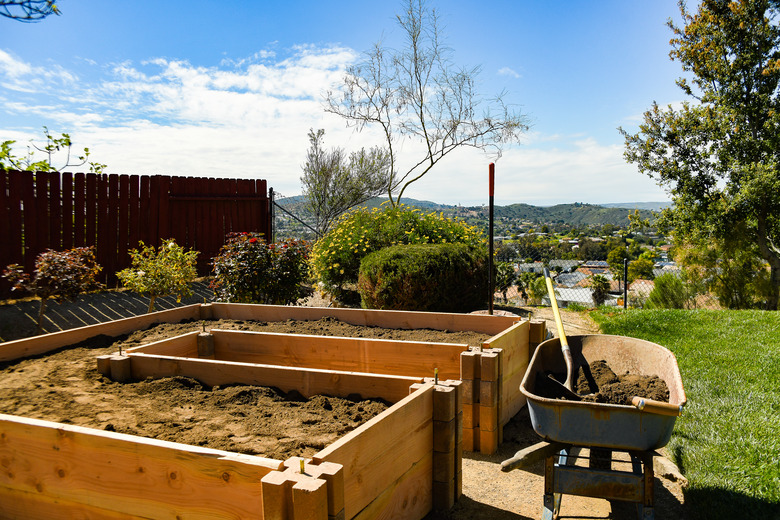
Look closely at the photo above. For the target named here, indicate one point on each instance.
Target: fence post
(625, 283)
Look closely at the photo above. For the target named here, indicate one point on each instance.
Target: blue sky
(231, 88)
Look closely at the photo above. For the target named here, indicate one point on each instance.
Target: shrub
(61, 275)
(250, 270)
(505, 278)
(336, 256)
(425, 277)
(157, 273)
(668, 293)
(600, 287)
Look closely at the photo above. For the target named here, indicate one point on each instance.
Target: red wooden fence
(44, 210)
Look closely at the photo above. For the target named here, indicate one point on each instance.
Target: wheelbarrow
(571, 427)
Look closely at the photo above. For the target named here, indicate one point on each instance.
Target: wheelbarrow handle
(658, 407)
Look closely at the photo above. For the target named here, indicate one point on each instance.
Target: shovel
(569, 383)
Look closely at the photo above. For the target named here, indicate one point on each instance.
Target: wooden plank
(132, 475)
(91, 202)
(21, 348)
(112, 230)
(181, 221)
(381, 451)
(21, 505)
(79, 210)
(55, 212)
(514, 343)
(67, 210)
(164, 209)
(184, 345)
(15, 192)
(410, 496)
(29, 221)
(105, 228)
(41, 230)
(377, 318)
(123, 233)
(145, 205)
(378, 356)
(307, 381)
(6, 256)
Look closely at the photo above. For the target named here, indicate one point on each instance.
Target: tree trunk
(774, 295)
(41, 310)
(151, 303)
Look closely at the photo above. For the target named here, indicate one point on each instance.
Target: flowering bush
(336, 256)
(249, 270)
(61, 275)
(169, 270)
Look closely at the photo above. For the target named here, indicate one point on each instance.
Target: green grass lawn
(727, 441)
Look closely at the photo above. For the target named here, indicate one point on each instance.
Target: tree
(61, 275)
(29, 162)
(719, 156)
(169, 270)
(600, 287)
(615, 259)
(505, 278)
(332, 184)
(417, 93)
(28, 10)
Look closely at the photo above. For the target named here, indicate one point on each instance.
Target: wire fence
(579, 283)
(587, 284)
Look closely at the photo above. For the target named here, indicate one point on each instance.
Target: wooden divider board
(184, 345)
(21, 348)
(376, 318)
(379, 456)
(376, 356)
(514, 343)
(307, 381)
(52, 470)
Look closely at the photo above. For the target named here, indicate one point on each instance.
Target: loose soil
(598, 383)
(66, 387)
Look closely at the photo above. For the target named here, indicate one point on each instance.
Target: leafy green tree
(332, 184)
(669, 292)
(505, 278)
(417, 92)
(54, 145)
(600, 287)
(160, 272)
(59, 275)
(615, 260)
(719, 156)
(641, 268)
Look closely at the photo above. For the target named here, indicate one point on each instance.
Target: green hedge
(425, 277)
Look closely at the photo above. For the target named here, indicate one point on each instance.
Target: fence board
(55, 214)
(123, 236)
(134, 208)
(67, 210)
(114, 213)
(79, 210)
(29, 222)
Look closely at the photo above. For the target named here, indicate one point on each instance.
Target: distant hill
(576, 214)
(650, 206)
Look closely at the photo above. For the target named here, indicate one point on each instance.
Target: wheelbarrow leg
(642, 463)
(552, 501)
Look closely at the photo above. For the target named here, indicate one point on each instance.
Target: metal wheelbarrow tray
(617, 427)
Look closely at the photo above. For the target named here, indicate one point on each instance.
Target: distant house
(533, 267)
(570, 279)
(566, 266)
(580, 295)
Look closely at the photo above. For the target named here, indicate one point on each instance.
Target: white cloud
(250, 118)
(507, 71)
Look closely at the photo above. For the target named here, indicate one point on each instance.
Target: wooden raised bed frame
(401, 464)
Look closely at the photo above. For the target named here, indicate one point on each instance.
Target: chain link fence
(587, 284)
(581, 280)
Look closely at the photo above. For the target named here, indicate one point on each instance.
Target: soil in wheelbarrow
(598, 383)
(65, 387)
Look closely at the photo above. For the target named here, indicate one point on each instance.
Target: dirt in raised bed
(600, 384)
(66, 387)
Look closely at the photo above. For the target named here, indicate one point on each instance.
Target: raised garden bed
(388, 464)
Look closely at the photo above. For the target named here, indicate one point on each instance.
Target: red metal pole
(491, 188)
